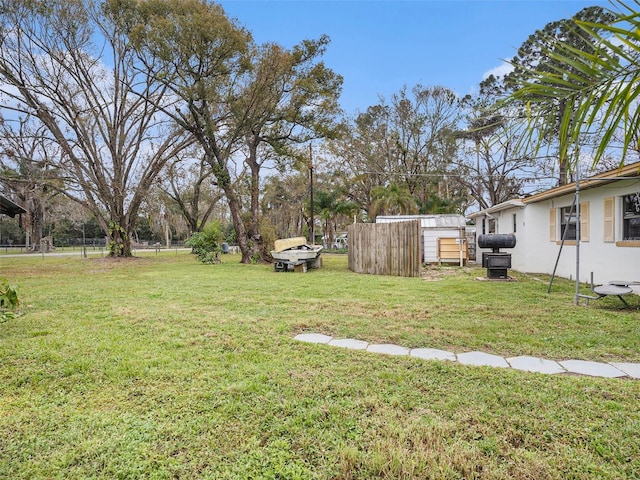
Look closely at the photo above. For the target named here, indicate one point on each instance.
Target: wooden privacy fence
(386, 248)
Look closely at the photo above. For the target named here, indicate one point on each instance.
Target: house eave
(622, 173)
(515, 203)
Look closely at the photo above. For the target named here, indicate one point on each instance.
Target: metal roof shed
(434, 227)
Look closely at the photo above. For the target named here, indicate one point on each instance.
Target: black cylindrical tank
(497, 240)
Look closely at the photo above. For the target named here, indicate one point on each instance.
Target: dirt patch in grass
(118, 260)
(105, 264)
(434, 273)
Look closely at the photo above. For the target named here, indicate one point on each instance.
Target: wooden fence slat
(386, 248)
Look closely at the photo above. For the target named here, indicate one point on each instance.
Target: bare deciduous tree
(27, 158)
(242, 104)
(67, 64)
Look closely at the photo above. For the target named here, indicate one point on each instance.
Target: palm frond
(586, 91)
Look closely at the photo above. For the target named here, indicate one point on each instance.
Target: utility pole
(311, 230)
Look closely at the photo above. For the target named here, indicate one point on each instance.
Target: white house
(608, 226)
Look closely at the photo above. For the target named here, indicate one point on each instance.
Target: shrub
(8, 300)
(206, 245)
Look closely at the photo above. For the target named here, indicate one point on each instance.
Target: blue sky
(379, 46)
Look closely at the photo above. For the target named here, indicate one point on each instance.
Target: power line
(435, 175)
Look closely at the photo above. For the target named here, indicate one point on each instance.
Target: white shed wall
(430, 242)
(433, 227)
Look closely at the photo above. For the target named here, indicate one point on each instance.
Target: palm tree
(592, 93)
(393, 200)
(331, 205)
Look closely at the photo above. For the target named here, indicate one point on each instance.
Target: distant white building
(609, 226)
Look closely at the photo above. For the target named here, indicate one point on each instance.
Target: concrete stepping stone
(432, 354)
(631, 369)
(480, 359)
(351, 343)
(525, 363)
(313, 338)
(534, 364)
(388, 349)
(593, 369)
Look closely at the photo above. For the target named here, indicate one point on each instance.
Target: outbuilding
(444, 237)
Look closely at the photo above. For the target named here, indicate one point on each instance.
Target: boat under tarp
(287, 243)
(295, 252)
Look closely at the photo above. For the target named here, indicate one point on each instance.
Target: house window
(568, 223)
(492, 225)
(631, 217)
(514, 223)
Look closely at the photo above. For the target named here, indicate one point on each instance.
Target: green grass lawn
(160, 367)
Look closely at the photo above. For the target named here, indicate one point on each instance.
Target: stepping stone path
(480, 359)
(593, 369)
(533, 364)
(524, 363)
(432, 354)
(349, 343)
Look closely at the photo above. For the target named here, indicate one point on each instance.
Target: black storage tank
(497, 240)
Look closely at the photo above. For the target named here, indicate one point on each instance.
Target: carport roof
(7, 207)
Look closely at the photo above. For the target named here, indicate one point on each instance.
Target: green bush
(206, 245)
(8, 300)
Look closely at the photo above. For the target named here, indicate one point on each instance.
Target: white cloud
(500, 71)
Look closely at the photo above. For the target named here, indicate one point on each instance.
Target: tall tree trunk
(36, 224)
(257, 245)
(562, 174)
(167, 232)
(562, 163)
(236, 218)
(118, 238)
